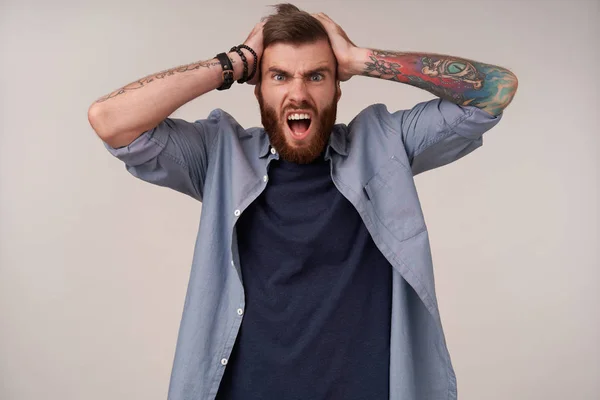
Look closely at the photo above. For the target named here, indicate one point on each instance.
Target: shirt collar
(337, 141)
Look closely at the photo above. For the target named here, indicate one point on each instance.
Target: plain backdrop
(94, 263)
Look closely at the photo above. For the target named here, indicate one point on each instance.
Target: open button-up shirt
(373, 161)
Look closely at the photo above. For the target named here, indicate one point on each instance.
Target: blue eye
(316, 77)
(277, 76)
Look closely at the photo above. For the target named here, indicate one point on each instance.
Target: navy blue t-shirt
(318, 295)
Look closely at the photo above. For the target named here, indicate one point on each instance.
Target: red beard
(321, 126)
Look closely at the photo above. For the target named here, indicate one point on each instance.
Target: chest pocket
(393, 194)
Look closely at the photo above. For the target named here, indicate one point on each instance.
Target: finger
(326, 23)
(325, 16)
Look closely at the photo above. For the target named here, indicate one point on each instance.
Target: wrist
(359, 57)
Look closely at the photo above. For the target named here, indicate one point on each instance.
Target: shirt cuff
(143, 149)
(477, 123)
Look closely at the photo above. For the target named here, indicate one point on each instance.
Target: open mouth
(299, 125)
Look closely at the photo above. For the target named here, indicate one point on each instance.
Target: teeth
(298, 116)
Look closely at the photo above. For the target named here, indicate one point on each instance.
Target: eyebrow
(307, 73)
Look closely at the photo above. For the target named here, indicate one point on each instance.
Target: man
(312, 275)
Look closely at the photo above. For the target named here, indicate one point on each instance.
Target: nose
(298, 93)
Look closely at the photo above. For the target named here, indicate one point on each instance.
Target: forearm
(121, 116)
(461, 81)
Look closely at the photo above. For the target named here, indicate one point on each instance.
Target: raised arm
(461, 81)
(464, 82)
(123, 115)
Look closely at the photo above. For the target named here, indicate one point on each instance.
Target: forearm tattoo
(161, 75)
(461, 81)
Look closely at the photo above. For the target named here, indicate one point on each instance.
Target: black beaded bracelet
(244, 77)
(243, 46)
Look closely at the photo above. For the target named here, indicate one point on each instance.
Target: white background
(94, 263)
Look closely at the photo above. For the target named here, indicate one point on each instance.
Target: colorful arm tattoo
(458, 80)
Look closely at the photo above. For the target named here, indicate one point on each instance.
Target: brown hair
(292, 25)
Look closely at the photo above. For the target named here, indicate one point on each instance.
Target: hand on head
(255, 42)
(343, 48)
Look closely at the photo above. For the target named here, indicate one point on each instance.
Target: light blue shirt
(373, 161)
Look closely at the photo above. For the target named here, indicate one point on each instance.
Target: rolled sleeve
(143, 149)
(438, 132)
(475, 122)
(174, 154)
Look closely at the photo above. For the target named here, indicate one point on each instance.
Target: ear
(338, 90)
(256, 90)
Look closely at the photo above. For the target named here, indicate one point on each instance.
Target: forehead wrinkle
(322, 66)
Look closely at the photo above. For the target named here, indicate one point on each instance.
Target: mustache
(302, 106)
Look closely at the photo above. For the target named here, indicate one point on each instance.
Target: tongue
(299, 126)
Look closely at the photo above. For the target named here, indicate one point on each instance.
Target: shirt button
(224, 361)
(236, 213)
(232, 263)
(265, 178)
(273, 151)
(240, 311)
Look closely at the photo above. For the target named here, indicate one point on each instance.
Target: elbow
(506, 92)
(97, 120)
(111, 128)
(511, 90)
(514, 83)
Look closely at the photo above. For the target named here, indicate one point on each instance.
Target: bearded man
(312, 275)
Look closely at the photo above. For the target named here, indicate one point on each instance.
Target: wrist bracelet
(244, 77)
(243, 46)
